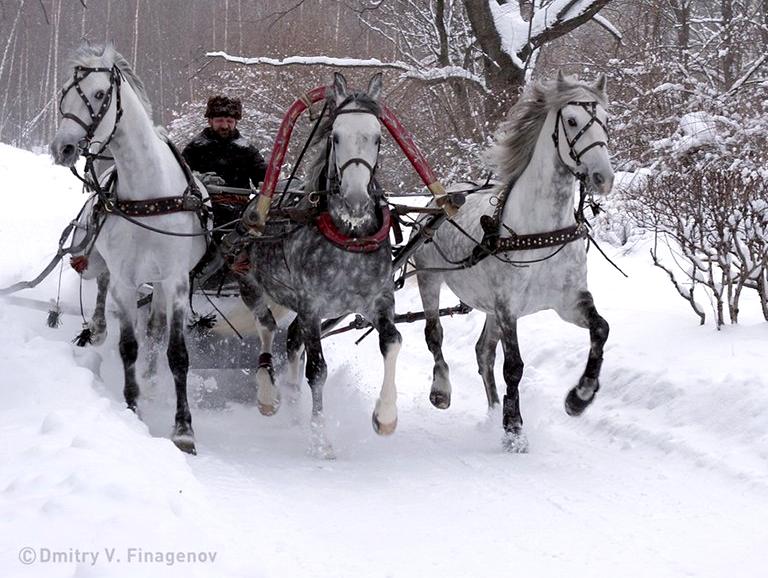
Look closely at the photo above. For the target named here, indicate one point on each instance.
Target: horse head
(90, 104)
(581, 134)
(353, 150)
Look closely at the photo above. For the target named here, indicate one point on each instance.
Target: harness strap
(159, 206)
(541, 240)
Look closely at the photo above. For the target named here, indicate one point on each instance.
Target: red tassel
(79, 263)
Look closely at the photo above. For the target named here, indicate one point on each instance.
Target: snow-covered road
(666, 475)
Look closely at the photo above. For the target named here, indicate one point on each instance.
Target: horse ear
(601, 82)
(374, 86)
(339, 87)
(109, 51)
(560, 76)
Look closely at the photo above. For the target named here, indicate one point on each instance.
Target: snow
(407, 71)
(516, 33)
(666, 475)
(694, 130)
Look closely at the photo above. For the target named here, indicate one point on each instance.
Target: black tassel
(203, 324)
(85, 337)
(54, 316)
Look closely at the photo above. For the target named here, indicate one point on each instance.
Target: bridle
(189, 200)
(591, 107)
(97, 116)
(338, 171)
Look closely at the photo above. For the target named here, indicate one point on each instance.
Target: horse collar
(367, 244)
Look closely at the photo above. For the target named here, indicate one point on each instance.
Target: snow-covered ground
(666, 475)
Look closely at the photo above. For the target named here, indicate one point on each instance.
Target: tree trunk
(503, 77)
(728, 60)
(136, 35)
(682, 12)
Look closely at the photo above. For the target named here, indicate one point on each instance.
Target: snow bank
(80, 474)
(671, 455)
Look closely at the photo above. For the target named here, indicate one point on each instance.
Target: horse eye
(335, 139)
(571, 121)
(99, 95)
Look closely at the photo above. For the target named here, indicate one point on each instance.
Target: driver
(225, 157)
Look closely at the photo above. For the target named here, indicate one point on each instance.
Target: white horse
(151, 230)
(534, 255)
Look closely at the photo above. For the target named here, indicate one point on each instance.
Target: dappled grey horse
(534, 254)
(150, 229)
(339, 264)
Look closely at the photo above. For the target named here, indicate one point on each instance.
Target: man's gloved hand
(211, 179)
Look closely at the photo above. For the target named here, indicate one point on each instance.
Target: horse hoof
(265, 381)
(267, 409)
(185, 443)
(581, 396)
(440, 399)
(515, 442)
(383, 429)
(322, 451)
(184, 438)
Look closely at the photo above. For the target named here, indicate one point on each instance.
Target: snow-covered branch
(746, 76)
(606, 24)
(426, 75)
(520, 38)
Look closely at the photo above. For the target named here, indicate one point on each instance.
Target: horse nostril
(598, 178)
(67, 150)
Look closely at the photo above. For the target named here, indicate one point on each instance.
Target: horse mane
(517, 137)
(316, 172)
(106, 56)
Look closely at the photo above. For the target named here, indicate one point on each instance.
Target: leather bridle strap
(591, 108)
(80, 73)
(339, 170)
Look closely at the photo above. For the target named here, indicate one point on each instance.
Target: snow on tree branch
(520, 38)
(606, 24)
(426, 75)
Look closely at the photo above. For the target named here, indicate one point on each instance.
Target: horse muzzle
(602, 180)
(65, 152)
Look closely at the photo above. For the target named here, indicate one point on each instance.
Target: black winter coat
(234, 159)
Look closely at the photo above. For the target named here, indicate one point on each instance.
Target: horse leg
(316, 372)
(267, 395)
(99, 319)
(586, 315)
(429, 289)
(157, 325)
(390, 340)
(515, 440)
(178, 361)
(295, 351)
(125, 298)
(485, 350)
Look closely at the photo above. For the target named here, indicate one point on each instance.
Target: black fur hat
(220, 105)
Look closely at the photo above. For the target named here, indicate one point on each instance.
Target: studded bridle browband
(97, 116)
(591, 107)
